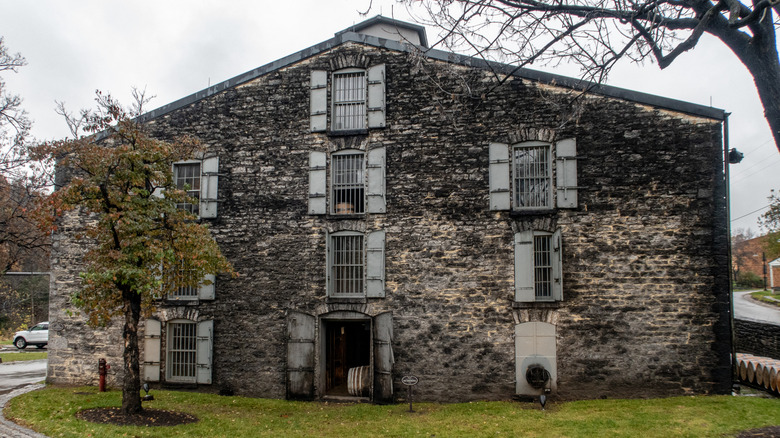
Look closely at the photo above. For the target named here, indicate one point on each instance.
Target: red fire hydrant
(103, 368)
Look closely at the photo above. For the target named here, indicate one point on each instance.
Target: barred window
(347, 264)
(543, 268)
(532, 176)
(181, 277)
(187, 177)
(538, 266)
(182, 351)
(348, 184)
(349, 100)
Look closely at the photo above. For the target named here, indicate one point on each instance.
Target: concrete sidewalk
(13, 430)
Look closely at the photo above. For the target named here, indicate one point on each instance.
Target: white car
(37, 335)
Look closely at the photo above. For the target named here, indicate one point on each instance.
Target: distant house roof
(397, 38)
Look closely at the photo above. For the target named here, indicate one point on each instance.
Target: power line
(754, 211)
(744, 176)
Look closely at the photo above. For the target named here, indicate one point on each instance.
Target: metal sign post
(410, 381)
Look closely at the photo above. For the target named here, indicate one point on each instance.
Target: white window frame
(179, 357)
(356, 99)
(355, 190)
(534, 177)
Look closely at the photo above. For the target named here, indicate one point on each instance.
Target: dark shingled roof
(349, 35)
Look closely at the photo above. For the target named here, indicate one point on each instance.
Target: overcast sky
(174, 48)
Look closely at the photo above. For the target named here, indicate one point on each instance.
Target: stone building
(394, 211)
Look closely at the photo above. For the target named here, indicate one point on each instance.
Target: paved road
(17, 374)
(749, 309)
(17, 378)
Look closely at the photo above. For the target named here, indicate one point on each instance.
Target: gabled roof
(352, 34)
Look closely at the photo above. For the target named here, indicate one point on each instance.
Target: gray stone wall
(644, 258)
(757, 338)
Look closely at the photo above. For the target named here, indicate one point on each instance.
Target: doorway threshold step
(345, 399)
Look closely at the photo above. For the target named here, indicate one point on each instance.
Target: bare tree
(595, 34)
(20, 182)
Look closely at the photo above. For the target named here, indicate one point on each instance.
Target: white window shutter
(205, 336)
(317, 183)
(375, 170)
(319, 100)
(152, 331)
(499, 176)
(566, 171)
(557, 265)
(376, 96)
(524, 266)
(207, 291)
(209, 187)
(375, 264)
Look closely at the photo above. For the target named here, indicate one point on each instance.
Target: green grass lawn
(14, 357)
(51, 411)
(767, 296)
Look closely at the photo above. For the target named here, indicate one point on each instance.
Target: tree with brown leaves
(122, 179)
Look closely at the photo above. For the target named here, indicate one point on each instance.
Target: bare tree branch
(596, 34)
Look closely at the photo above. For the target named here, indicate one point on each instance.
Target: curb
(10, 429)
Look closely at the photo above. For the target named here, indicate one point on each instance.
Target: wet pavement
(16, 378)
(15, 375)
(749, 309)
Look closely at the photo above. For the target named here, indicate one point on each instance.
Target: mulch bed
(149, 417)
(764, 432)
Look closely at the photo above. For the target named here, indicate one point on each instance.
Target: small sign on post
(410, 381)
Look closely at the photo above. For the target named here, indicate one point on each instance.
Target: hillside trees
(23, 246)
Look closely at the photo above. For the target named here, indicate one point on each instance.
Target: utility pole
(763, 265)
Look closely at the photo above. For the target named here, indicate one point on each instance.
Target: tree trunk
(759, 55)
(762, 61)
(131, 385)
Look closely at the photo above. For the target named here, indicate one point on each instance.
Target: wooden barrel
(345, 208)
(743, 370)
(359, 381)
(773, 378)
(759, 374)
(751, 372)
(777, 379)
(765, 377)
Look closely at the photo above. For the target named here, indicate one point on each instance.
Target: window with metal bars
(532, 176)
(347, 184)
(543, 267)
(181, 345)
(187, 177)
(180, 278)
(347, 264)
(349, 100)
